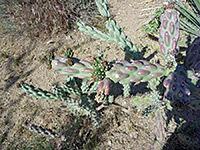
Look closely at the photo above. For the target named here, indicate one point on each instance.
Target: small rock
(69, 37)
(50, 42)
(134, 135)
(110, 142)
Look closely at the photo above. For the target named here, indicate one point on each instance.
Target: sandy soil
(120, 130)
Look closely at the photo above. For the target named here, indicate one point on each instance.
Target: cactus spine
(103, 8)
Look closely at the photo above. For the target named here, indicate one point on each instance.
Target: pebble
(110, 142)
(133, 135)
(69, 37)
(50, 42)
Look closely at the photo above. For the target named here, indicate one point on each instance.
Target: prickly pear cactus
(169, 33)
(72, 67)
(192, 59)
(177, 90)
(137, 71)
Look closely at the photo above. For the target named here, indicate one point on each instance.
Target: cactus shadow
(186, 135)
(81, 135)
(13, 74)
(139, 88)
(152, 37)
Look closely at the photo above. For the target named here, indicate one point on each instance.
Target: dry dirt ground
(120, 130)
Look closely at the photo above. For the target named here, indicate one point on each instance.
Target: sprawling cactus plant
(81, 106)
(180, 82)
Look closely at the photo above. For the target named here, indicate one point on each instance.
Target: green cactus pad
(137, 71)
(169, 34)
(81, 69)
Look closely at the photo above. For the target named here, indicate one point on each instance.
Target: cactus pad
(80, 69)
(137, 71)
(169, 33)
(192, 59)
(177, 90)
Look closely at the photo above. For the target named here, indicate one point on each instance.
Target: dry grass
(42, 17)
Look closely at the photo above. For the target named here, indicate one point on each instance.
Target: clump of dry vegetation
(42, 17)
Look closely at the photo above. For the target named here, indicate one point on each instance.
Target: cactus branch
(39, 93)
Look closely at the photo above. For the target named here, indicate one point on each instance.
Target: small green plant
(49, 57)
(68, 53)
(174, 86)
(153, 26)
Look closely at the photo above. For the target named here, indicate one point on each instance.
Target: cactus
(85, 87)
(103, 8)
(104, 86)
(81, 106)
(115, 34)
(155, 93)
(160, 128)
(137, 71)
(80, 69)
(192, 59)
(169, 33)
(126, 89)
(177, 90)
(42, 131)
(103, 91)
(37, 92)
(96, 77)
(99, 69)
